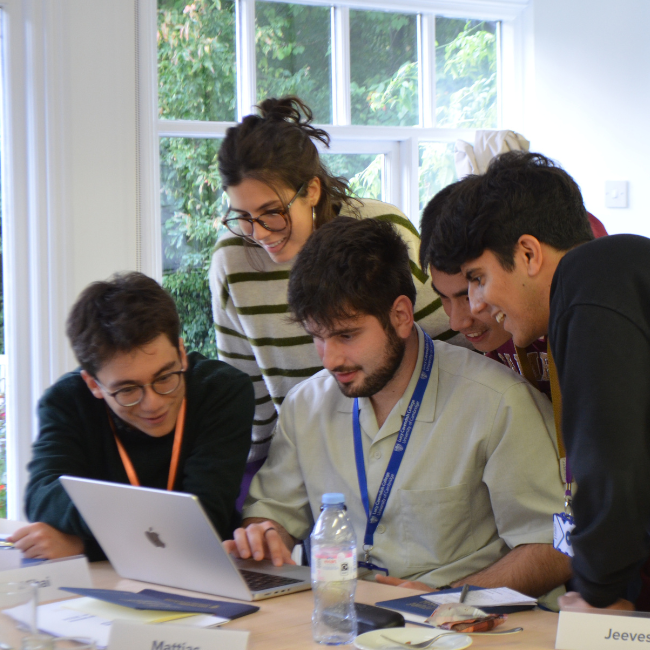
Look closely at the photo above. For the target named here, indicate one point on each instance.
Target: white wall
(69, 185)
(588, 105)
(100, 98)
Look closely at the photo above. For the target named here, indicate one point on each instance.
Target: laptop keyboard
(259, 581)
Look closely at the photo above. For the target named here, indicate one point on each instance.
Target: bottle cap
(333, 498)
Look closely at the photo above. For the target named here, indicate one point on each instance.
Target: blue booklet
(416, 608)
(166, 602)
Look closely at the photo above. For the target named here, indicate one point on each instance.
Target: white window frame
(40, 276)
(36, 268)
(399, 144)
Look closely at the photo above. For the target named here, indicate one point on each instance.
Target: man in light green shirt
(473, 498)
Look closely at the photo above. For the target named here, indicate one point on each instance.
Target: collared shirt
(478, 478)
(253, 332)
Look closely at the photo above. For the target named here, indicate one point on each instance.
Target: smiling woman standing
(279, 193)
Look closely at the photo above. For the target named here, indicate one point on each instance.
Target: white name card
(9, 526)
(126, 635)
(68, 572)
(587, 631)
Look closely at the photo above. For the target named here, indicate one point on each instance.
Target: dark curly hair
(119, 315)
(520, 193)
(277, 147)
(431, 214)
(350, 267)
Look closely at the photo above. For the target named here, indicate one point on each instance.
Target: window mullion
(511, 76)
(427, 69)
(409, 167)
(245, 52)
(148, 143)
(341, 105)
(392, 176)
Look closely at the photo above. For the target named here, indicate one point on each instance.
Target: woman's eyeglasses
(274, 220)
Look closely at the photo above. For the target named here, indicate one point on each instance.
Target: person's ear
(93, 386)
(401, 316)
(313, 191)
(183, 354)
(531, 252)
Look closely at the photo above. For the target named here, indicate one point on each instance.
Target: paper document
(111, 612)
(499, 597)
(60, 619)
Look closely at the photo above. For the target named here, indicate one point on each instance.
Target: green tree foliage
(437, 169)
(383, 68)
(466, 71)
(191, 201)
(196, 60)
(364, 172)
(293, 55)
(197, 80)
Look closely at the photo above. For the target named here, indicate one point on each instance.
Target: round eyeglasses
(274, 220)
(132, 395)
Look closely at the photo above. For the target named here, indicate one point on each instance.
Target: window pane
(466, 73)
(196, 60)
(293, 52)
(383, 68)
(437, 169)
(365, 172)
(191, 199)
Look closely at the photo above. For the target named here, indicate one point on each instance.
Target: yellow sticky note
(110, 611)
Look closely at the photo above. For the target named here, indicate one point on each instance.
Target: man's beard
(373, 383)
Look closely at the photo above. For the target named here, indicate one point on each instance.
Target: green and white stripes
(255, 334)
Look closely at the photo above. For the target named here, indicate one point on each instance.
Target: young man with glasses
(140, 410)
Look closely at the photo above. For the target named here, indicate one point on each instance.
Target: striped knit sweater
(254, 334)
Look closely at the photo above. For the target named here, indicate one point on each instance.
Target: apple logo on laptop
(154, 538)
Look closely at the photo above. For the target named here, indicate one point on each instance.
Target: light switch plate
(616, 194)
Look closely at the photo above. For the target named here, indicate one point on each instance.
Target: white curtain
(487, 144)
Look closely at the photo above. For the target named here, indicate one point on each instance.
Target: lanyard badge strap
(374, 517)
(563, 522)
(176, 449)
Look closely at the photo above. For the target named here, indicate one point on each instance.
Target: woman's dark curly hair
(277, 148)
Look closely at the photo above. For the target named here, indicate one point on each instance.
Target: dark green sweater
(75, 437)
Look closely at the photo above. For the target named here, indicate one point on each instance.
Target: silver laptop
(166, 538)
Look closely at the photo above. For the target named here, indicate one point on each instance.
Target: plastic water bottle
(334, 573)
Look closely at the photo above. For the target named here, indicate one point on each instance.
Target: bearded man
(462, 490)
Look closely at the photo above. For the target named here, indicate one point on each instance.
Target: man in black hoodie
(522, 239)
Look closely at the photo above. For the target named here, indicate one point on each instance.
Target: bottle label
(328, 568)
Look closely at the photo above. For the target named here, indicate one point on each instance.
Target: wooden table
(284, 623)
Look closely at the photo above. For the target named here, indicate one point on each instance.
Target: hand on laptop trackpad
(266, 566)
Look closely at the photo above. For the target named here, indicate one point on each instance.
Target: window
(395, 89)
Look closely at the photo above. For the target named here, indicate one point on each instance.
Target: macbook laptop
(166, 538)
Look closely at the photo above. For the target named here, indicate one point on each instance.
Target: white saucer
(374, 640)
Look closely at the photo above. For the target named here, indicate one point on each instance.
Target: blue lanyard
(403, 437)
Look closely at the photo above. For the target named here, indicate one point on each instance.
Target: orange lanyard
(176, 451)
